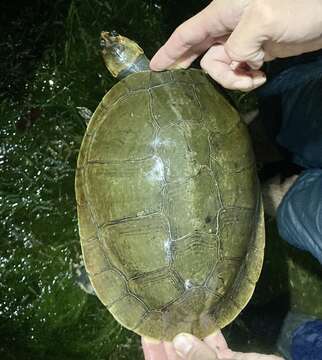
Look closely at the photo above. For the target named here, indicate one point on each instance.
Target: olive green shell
(169, 207)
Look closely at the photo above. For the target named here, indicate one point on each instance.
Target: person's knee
(299, 217)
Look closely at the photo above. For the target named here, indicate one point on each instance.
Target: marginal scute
(255, 254)
(79, 184)
(232, 244)
(94, 257)
(82, 156)
(109, 294)
(118, 91)
(225, 312)
(154, 325)
(183, 76)
(191, 314)
(87, 226)
(129, 311)
(238, 292)
(169, 209)
(197, 77)
(159, 78)
(222, 277)
(133, 85)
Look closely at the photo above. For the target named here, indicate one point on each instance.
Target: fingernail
(257, 81)
(234, 65)
(183, 343)
(154, 65)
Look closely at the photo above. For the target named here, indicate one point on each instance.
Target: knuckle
(197, 353)
(178, 35)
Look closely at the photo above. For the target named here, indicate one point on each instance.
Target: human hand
(188, 347)
(237, 36)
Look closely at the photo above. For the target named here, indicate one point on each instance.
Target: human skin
(235, 37)
(188, 347)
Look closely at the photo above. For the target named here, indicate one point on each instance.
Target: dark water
(49, 66)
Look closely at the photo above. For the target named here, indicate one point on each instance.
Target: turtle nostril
(113, 33)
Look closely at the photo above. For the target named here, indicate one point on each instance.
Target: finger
(246, 41)
(216, 341)
(177, 52)
(153, 349)
(191, 348)
(183, 47)
(218, 65)
(191, 39)
(170, 351)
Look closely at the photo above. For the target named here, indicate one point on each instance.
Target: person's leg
(292, 109)
(299, 216)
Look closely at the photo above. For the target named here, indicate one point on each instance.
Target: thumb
(245, 44)
(189, 347)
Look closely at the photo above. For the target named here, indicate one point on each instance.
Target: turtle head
(121, 55)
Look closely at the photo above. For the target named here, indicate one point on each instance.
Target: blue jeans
(294, 96)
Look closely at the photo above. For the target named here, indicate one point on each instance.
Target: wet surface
(43, 313)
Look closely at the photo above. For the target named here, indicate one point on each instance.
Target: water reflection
(42, 310)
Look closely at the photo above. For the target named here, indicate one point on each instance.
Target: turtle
(168, 200)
